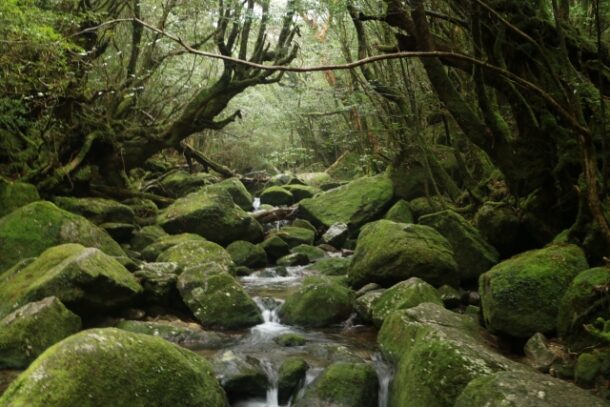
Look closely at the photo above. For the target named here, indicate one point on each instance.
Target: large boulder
(343, 385)
(14, 195)
(30, 230)
(97, 210)
(217, 299)
(300, 192)
(247, 254)
(180, 183)
(31, 329)
(319, 302)
(240, 376)
(276, 196)
(164, 242)
(158, 281)
(331, 266)
(354, 204)
(112, 367)
(146, 236)
(295, 236)
(213, 215)
(400, 212)
(521, 295)
(236, 189)
(85, 279)
(291, 376)
(388, 252)
(436, 354)
(275, 247)
(473, 254)
(196, 253)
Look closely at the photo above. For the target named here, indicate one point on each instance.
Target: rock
(521, 295)
(300, 192)
(293, 259)
(85, 368)
(180, 183)
(277, 196)
(212, 215)
(587, 368)
(147, 236)
(196, 253)
(14, 195)
(247, 254)
(424, 206)
(367, 288)
(145, 210)
(436, 353)
(291, 377)
(279, 180)
(31, 329)
(312, 253)
(159, 282)
(365, 304)
(354, 204)
(400, 212)
(583, 302)
(319, 302)
(295, 236)
(84, 279)
(524, 389)
(314, 178)
(499, 225)
(473, 254)
(305, 224)
(275, 247)
(152, 251)
(539, 356)
(406, 294)
(190, 336)
(331, 266)
(343, 385)
(241, 376)
(217, 299)
(97, 210)
(240, 195)
(389, 252)
(336, 235)
(450, 296)
(332, 352)
(120, 232)
(327, 186)
(30, 230)
(290, 339)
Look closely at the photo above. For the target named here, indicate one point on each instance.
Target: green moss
(97, 210)
(314, 178)
(165, 241)
(193, 253)
(365, 303)
(305, 224)
(292, 260)
(111, 367)
(290, 376)
(295, 236)
(147, 236)
(300, 192)
(180, 183)
(331, 266)
(312, 253)
(588, 367)
(425, 206)
(275, 247)
(31, 229)
(400, 212)
(277, 196)
(290, 340)
(236, 189)
(190, 336)
(247, 254)
(14, 195)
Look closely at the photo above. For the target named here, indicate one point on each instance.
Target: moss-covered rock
(293, 259)
(388, 252)
(300, 192)
(84, 370)
(473, 254)
(158, 281)
(31, 229)
(241, 376)
(31, 329)
(164, 242)
(305, 224)
(97, 210)
(291, 377)
(332, 266)
(424, 206)
(319, 302)
(336, 235)
(311, 252)
(14, 195)
(295, 236)
(314, 178)
(236, 189)
(354, 204)
(277, 196)
(147, 236)
(524, 389)
(499, 225)
(343, 385)
(144, 209)
(275, 247)
(213, 215)
(521, 295)
(84, 279)
(196, 253)
(406, 294)
(583, 302)
(179, 183)
(538, 353)
(365, 304)
(290, 339)
(400, 212)
(217, 299)
(450, 296)
(247, 254)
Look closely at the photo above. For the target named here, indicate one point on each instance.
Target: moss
(147, 236)
(400, 212)
(275, 247)
(365, 303)
(165, 241)
(14, 195)
(31, 229)
(295, 236)
(389, 252)
(97, 210)
(82, 278)
(312, 253)
(277, 196)
(293, 260)
(290, 339)
(193, 253)
(112, 367)
(521, 295)
(190, 336)
(180, 183)
(425, 206)
(247, 254)
(331, 266)
(305, 224)
(290, 377)
(354, 204)
(499, 225)
(300, 192)
(236, 189)
(588, 367)
(319, 302)
(314, 178)
(31, 329)
(241, 376)
(159, 282)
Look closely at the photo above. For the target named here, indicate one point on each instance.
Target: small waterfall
(385, 374)
(256, 204)
(271, 326)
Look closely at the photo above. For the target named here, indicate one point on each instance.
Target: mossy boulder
(521, 295)
(524, 389)
(179, 183)
(241, 376)
(406, 294)
(237, 190)
(275, 247)
(583, 302)
(84, 370)
(30, 230)
(31, 329)
(305, 224)
(311, 252)
(424, 206)
(247, 254)
(97, 210)
(14, 195)
(343, 384)
(473, 254)
(388, 252)
(196, 253)
(319, 302)
(436, 353)
(332, 266)
(158, 281)
(147, 236)
(84, 279)
(295, 236)
(213, 215)
(291, 377)
(400, 212)
(314, 178)
(290, 339)
(364, 304)
(300, 192)
(217, 299)
(164, 242)
(144, 209)
(499, 224)
(293, 260)
(354, 204)
(336, 235)
(277, 196)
